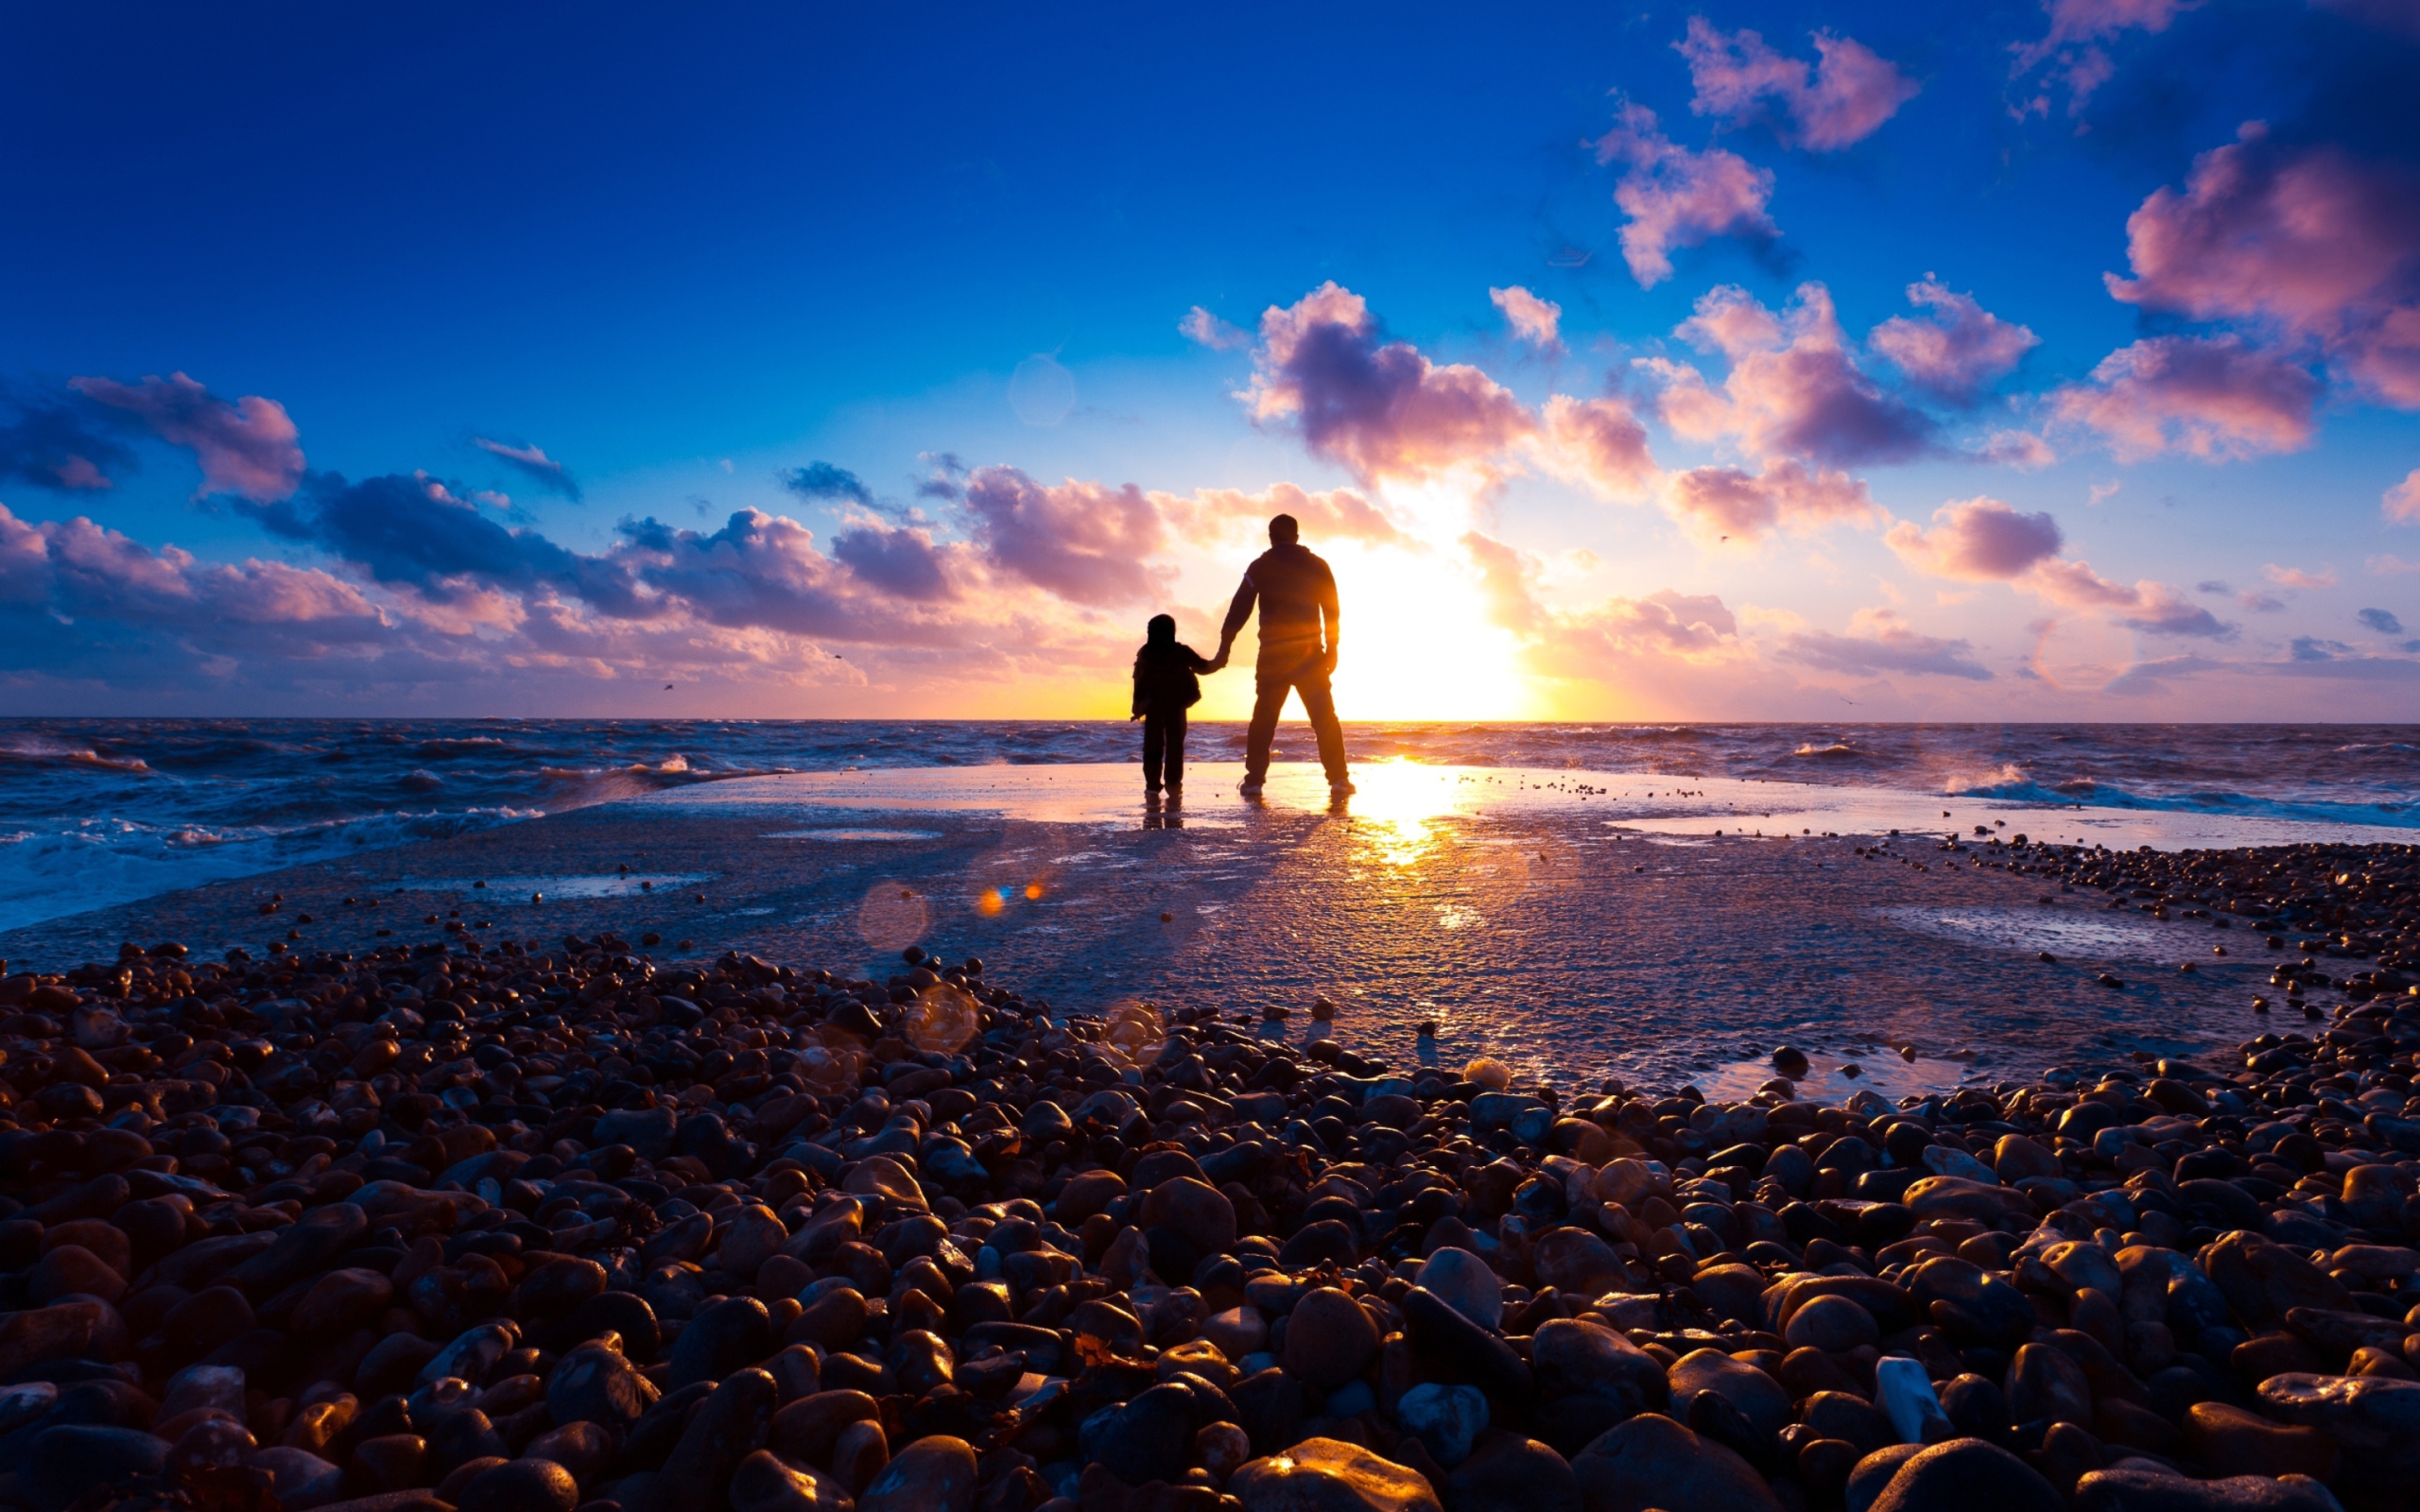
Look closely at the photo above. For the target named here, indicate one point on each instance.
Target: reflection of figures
(1299, 626)
(1165, 687)
(1424, 1042)
(1159, 817)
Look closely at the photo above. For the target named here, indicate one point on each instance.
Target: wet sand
(1568, 923)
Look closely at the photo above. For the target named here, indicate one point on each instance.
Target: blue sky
(684, 256)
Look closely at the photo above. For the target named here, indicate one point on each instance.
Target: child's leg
(1176, 750)
(1154, 746)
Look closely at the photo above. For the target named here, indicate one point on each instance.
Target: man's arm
(1332, 613)
(1239, 614)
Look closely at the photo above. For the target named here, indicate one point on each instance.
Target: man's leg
(1320, 704)
(1176, 750)
(1154, 748)
(1270, 687)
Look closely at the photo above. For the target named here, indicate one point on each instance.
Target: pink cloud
(1335, 514)
(2078, 28)
(2402, 502)
(1677, 197)
(1084, 542)
(1599, 443)
(1793, 392)
(2017, 449)
(1851, 92)
(1787, 496)
(2299, 577)
(1978, 540)
(2154, 608)
(250, 448)
(1200, 326)
(1592, 641)
(1962, 351)
(2308, 243)
(2215, 398)
(1533, 320)
(1378, 407)
(1880, 642)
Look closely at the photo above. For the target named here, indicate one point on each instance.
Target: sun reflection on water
(1399, 802)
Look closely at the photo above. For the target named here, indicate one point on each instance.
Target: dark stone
(727, 1429)
(1269, 1408)
(1967, 1475)
(598, 1385)
(1458, 1350)
(732, 1333)
(521, 1486)
(1650, 1460)
(1150, 1438)
(69, 1461)
(1509, 1473)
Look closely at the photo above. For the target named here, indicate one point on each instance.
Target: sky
(1730, 361)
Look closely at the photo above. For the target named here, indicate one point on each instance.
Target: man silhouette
(1299, 626)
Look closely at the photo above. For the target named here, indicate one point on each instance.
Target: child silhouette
(1166, 685)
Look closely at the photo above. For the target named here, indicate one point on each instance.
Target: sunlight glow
(1400, 800)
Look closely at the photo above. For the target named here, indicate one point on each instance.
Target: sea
(96, 812)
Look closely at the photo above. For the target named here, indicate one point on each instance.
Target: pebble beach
(483, 1218)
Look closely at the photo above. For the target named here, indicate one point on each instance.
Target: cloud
(899, 562)
(1881, 641)
(2312, 648)
(2154, 609)
(2213, 398)
(2259, 603)
(1200, 326)
(2022, 449)
(62, 444)
(2402, 502)
(1787, 496)
(1793, 390)
(1677, 197)
(1593, 642)
(2380, 620)
(1739, 78)
(1336, 514)
(1599, 443)
(1084, 542)
(2311, 245)
(79, 600)
(1979, 540)
(1533, 320)
(2297, 577)
(534, 464)
(1378, 407)
(416, 531)
(823, 480)
(2077, 29)
(250, 448)
(1962, 352)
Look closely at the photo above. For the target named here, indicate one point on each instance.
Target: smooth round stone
(1735, 1292)
(1146, 1439)
(1575, 1356)
(391, 1462)
(303, 1480)
(1832, 1324)
(1967, 1475)
(933, 1474)
(66, 1462)
(521, 1486)
(1329, 1475)
(730, 1335)
(1873, 1472)
(1328, 1239)
(2374, 1419)
(1757, 1396)
(71, 1270)
(342, 1301)
(1195, 1208)
(751, 1237)
(598, 1385)
(1650, 1460)
(765, 1483)
(584, 1449)
(1514, 1474)
(1445, 1419)
(1088, 1193)
(2124, 1490)
(806, 1429)
(1237, 1332)
(1467, 1284)
(1329, 1339)
(2234, 1442)
(1220, 1449)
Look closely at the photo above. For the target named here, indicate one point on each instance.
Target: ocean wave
(1836, 750)
(52, 753)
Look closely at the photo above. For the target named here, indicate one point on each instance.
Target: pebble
(511, 1227)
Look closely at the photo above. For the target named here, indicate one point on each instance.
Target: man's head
(1285, 530)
